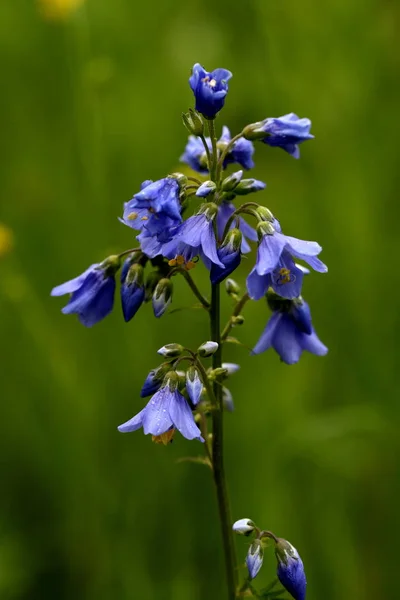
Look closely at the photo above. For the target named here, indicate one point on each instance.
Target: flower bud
(254, 559)
(290, 569)
(171, 350)
(162, 296)
(265, 213)
(232, 181)
(194, 385)
(206, 188)
(216, 373)
(230, 368)
(207, 349)
(243, 526)
(232, 287)
(154, 380)
(248, 186)
(254, 132)
(132, 289)
(193, 122)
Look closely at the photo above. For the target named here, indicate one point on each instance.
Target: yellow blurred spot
(164, 438)
(58, 10)
(172, 262)
(132, 216)
(190, 265)
(144, 219)
(6, 240)
(180, 260)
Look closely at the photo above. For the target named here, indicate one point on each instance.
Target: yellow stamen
(144, 219)
(132, 216)
(164, 438)
(172, 262)
(284, 275)
(190, 265)
(180, 260)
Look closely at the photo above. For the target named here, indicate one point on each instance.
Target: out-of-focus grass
(90, 107)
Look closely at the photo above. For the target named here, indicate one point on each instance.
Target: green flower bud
(237, 320)
(193, 122)
(171, 350)
(232, 181)
(232, 287)
(265, 213)
(111, 264)
(207, 349)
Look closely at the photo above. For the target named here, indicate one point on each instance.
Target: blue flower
(92, 292)
(167, 410)
(241, 152)
(195, 155)
(155, 207)
(254, 559)
(132, 288)
(196, 237)
(287, 132)
(274, 248)
(229, 254)
(286, 279)
(289, 331)
(291, 570)
(209, 89)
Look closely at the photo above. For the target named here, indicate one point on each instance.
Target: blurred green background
(90, 106)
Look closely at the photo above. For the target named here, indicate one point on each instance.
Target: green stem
(217, 452)
(206, 148)
(236, 311)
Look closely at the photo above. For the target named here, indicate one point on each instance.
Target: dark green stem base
(217, 453)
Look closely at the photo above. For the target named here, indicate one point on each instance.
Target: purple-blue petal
(182, 418)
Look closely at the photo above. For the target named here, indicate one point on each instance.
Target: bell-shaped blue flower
(195, 155)
(291, 570)
(273, 244)
(254, 559)
(196, 237)
(132, 288)
(286, 132)
(209, 89)
(155, 207)
(289, 331)
(166, 410)
(286, 279)
(229, 254)
(92, 292)
(194, 385)
(241, 152)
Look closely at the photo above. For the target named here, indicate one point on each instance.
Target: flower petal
(182, 418)
(267, 336)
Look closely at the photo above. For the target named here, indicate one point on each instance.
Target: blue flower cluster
(171, 237)
(290, 568)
